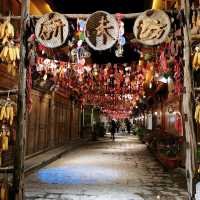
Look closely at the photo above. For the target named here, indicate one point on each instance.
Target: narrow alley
(105, 170)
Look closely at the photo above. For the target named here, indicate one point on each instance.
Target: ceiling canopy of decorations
(112, 82)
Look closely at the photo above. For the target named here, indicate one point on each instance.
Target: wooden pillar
(191, 147)
(18, 178)
(83, 116)
(92, 118)
(71, 120)
(52, 120)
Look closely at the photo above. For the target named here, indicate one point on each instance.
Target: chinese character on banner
(152, 27)
(101, 31)
(52, 30)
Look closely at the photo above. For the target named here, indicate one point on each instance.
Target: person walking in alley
(128, 126)
(123, 127)
(113, 129)
(117, 125)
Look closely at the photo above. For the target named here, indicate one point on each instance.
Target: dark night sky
(90, 6)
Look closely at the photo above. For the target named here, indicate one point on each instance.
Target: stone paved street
(106, 170)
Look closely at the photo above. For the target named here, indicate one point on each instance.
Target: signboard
(101, 30)
(52, 30)
(152, 27)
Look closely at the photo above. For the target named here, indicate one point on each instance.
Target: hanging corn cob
(197, 113)
(7, 112)
(9, 55)
(6, 30)
(10, 52)
(196, 59)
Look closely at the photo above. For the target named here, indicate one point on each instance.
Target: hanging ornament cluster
(81, 38)
(121, 39)
(115, 88)
(100, 85)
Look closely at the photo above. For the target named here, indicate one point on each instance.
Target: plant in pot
(140, 132)
(170, 152)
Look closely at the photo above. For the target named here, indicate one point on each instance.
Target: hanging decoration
(51, 30)
(121, 39)
(115, 88)
(101, 31)
(196, 59)
(197, 111)
(10, 53)
(152, 27)
(7, 110)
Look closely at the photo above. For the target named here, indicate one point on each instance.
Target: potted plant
(140, 132)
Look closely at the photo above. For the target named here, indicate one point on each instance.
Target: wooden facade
(53, 121)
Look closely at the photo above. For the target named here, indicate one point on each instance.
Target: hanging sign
(52, 30)
(101, 30)
(152, 27)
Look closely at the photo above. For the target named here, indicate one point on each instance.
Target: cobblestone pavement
(106, 170)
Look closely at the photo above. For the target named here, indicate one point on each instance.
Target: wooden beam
(75, 16)
(4, 170)
(191, 146)
(10, 92)
(18, 177)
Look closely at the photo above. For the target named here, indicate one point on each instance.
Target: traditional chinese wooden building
(55, 120)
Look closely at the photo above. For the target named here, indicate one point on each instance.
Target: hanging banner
(51, 30)
(101, 30)
(152, 27)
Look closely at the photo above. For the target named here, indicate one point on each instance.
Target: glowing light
(163, 79)
(156, 75)
(95, 73)
(156, 4)
(45, 77)
(80, 42)
(48, 8)
(68, 66)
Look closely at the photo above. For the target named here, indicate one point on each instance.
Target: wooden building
(54, 120)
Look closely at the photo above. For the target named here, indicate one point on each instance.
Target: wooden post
(18, 178)
(92, 118)
(82, 122)
(52, 120)
(83, 114)
(191, 146)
